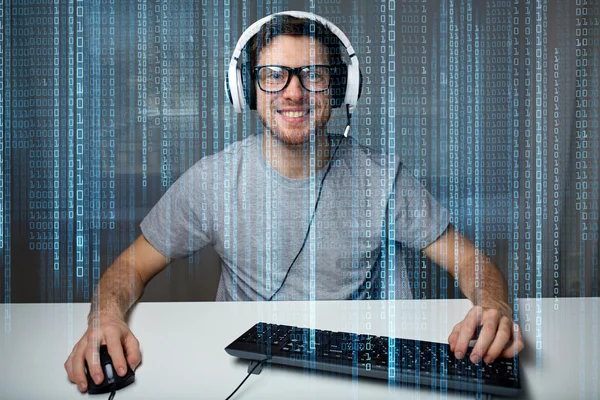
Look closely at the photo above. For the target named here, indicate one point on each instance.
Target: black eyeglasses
(275, 78)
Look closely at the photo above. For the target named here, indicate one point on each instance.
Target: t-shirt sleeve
(180, 223)
(420, 218)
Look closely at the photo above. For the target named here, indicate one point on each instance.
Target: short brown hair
(289, 25)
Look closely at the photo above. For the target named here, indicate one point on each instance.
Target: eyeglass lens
(272, 78)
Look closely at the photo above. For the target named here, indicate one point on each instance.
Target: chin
(293, 139)
(290, 136)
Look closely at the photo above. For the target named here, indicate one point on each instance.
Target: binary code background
(493, 105)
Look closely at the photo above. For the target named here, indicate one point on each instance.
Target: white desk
(183, 358)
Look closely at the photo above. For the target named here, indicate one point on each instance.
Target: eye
(274, 73)
(313, 74)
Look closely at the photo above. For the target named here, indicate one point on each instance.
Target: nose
(294, 89)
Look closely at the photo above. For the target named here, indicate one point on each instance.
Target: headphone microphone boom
(234, 84)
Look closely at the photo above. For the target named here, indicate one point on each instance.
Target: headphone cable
(311, 220)
(297, 255)
(348, 117)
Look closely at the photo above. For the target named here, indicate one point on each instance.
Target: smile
(294, 114)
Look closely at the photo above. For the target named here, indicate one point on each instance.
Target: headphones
(350, 73)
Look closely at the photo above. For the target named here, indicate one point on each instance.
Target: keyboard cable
(249, 373)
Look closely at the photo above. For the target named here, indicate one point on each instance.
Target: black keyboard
(415, 362)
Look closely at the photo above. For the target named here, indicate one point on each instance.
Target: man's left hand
(499, 335)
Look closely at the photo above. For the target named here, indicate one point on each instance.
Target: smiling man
(293, 102)
(297, 212)
(293, 76)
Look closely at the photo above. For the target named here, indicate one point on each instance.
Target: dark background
(492, 105)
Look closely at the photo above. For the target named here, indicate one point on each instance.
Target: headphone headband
(234, 83)
(255, 28)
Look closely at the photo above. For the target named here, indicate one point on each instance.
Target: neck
(293, 160)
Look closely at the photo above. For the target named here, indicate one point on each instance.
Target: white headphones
(233, 82)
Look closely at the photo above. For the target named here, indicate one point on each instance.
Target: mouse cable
(249, 373)
(112, 394)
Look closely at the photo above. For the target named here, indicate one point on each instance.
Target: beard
(292, 135)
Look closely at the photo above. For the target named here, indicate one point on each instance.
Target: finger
(502, 338)
(115, 350)
(75, 357)
(453, 336)
(78, 366)
(467, 330)
(92, 357)
(487, 335)
(132, 351)
(516, 345)
(69, 364)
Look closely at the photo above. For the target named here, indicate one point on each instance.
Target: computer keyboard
(415, 362)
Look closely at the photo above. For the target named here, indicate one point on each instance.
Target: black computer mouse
(112, 381)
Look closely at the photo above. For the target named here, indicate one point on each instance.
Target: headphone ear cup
(338, 85)
(360, 84)
(252, 95)
(251, 87)
(248, 85)
(240, 88)
(227, 88)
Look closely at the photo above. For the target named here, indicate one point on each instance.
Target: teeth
(294, 114)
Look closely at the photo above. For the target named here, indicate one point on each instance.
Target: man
(292, 183)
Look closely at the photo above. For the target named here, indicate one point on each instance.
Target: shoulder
(240, 147)
(361, 155)
(214, 168)
(237, 150)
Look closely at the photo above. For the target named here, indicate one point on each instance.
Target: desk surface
(183, 358)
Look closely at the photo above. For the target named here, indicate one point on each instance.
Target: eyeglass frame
(293, 71)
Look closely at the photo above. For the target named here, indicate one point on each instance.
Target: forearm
(119, 288)
(481, 281)
(477, 275)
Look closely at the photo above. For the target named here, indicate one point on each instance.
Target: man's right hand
(121, 343)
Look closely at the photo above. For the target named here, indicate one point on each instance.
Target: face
(293, 113)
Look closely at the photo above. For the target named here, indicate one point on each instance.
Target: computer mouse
(112, 381)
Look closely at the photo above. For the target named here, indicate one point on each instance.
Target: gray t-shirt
(256, 219)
